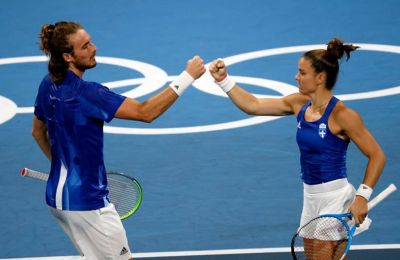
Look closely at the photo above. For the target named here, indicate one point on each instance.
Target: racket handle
(26, 172)
(381, 196)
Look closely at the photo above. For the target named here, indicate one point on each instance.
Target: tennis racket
(125, 191)
(329, 236)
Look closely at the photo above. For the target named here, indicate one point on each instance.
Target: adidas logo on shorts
(123, 251)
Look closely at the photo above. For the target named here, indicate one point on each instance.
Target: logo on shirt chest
(322, 130)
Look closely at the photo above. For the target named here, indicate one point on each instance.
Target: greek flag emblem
(322, 130)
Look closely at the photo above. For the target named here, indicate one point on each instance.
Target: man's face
(84, 51)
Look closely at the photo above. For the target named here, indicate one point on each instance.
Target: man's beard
(82, 66)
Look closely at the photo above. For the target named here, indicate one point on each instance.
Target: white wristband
(182, 82)
(226, 84)
(364, 191)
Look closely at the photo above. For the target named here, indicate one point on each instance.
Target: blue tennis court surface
(213, 178)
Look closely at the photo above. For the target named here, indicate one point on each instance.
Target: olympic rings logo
(155, 78)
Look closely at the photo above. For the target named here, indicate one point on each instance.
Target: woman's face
(306, 77)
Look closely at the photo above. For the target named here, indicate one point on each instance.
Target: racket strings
(124, 193)
(322, 238)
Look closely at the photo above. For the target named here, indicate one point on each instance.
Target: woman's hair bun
(336, 48)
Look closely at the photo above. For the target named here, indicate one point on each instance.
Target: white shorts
(96, 234)
(333, 197)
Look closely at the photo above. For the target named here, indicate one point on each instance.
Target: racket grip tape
(26, 172)
(381, 196)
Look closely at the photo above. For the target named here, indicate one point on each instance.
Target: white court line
(215, 252)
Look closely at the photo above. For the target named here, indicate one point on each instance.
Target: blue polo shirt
(74, 112)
